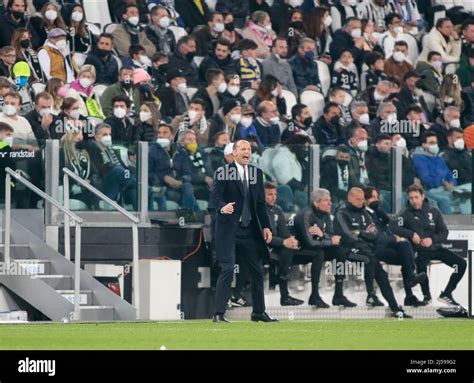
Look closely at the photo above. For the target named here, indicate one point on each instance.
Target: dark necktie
(246, 215)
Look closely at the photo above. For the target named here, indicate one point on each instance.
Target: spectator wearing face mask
(393, 34)
(137, 58)
(193, 119)
(431, 71)
(386, 121)
(129, 32)
(239, 10)
(397, 65)
(42, 121)
(458, 159)
(300, 124)
(246, 130)
(327, 129)
(70, 119)
(82, 90)
(233, 91)
(123, 129)
(226, 119)
(304, 67)
(375, 73)
(13, 18)
(451, 118)
(259, 29)
(124, 86)
(55, 57)
(360, 116)
(349, 37)
(411, 94)
(174, 100)
(158, 31)
(21, 42)
(48, 18)
(208, 34)
(182, 59)
(374, 95)
(101, 57)
(150, 120)
(280, 10)
(358, 145)
(80, 38)
(210, 94)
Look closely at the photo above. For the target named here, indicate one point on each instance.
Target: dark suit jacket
(227, 187)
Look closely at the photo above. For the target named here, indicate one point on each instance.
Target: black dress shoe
(290, 301)
(263, 317)
(343, 301)
(218, 318)
(317, 302)
(411, 300)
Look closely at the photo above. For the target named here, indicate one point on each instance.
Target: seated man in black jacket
(116, 179)
(124, 130)
(41, 119)
(392, 249)
(424, 226)
(219, 59)
(106, 64)
(458, 159)
(314, 230)
(359, 236)
(283, 244)
(349, 37)
(327, 130)
(173, 98)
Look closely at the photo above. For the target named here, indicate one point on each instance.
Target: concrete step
(85, 296)
(13, 316)
(35, 266)
(17, 251)
(97, 313)
(57, 281)
(310, 313)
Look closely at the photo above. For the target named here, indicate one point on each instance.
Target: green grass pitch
(388, 334)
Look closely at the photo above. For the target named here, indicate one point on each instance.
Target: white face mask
(120, 112)
(62, 46)
(9, 110)
(275, 92)
(8, 140)
(85, 82)
(222, 87)
(134, 20)
(219, 27)
(144, 116)
(77, 16)
(401, 143)
(145, 60)
(363, 145)
(392, 118)
(181, 87)
(459, 144)
(44, 112)
(51, 15)
(364, 119)
(163, 142)
(75, 114)
(192, 114)
(164, 22)
(355, 33)
(433, 149)
(274, 120)
(398, 30)
(106, 140)
(378, 96)
(268, 28)
(235, 118)
(246, 121)
(328, 21)
(352, 3)
(399, 57)
(456, 123)
(296, 3)
(233, 90)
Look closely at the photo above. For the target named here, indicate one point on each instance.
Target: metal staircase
(47, 280)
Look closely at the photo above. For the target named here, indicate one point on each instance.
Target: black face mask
(378, 72)
(374, 205)
(307, 122)
(163, 68)
(25, 43)
(296, 25)
(18, 15)
(103, 52)
(335, 120)
(342, 163)
(229, 26)
(126, 84)
(190, 55)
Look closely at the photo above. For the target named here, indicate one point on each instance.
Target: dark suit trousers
(246, 247)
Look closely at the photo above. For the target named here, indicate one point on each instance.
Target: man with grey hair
(314, 231)
(304, 66)
(374, 95)
(386, 121)
(451, 119)
(360, 114)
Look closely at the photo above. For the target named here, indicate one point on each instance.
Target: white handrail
(135, 272)
(67, 243)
